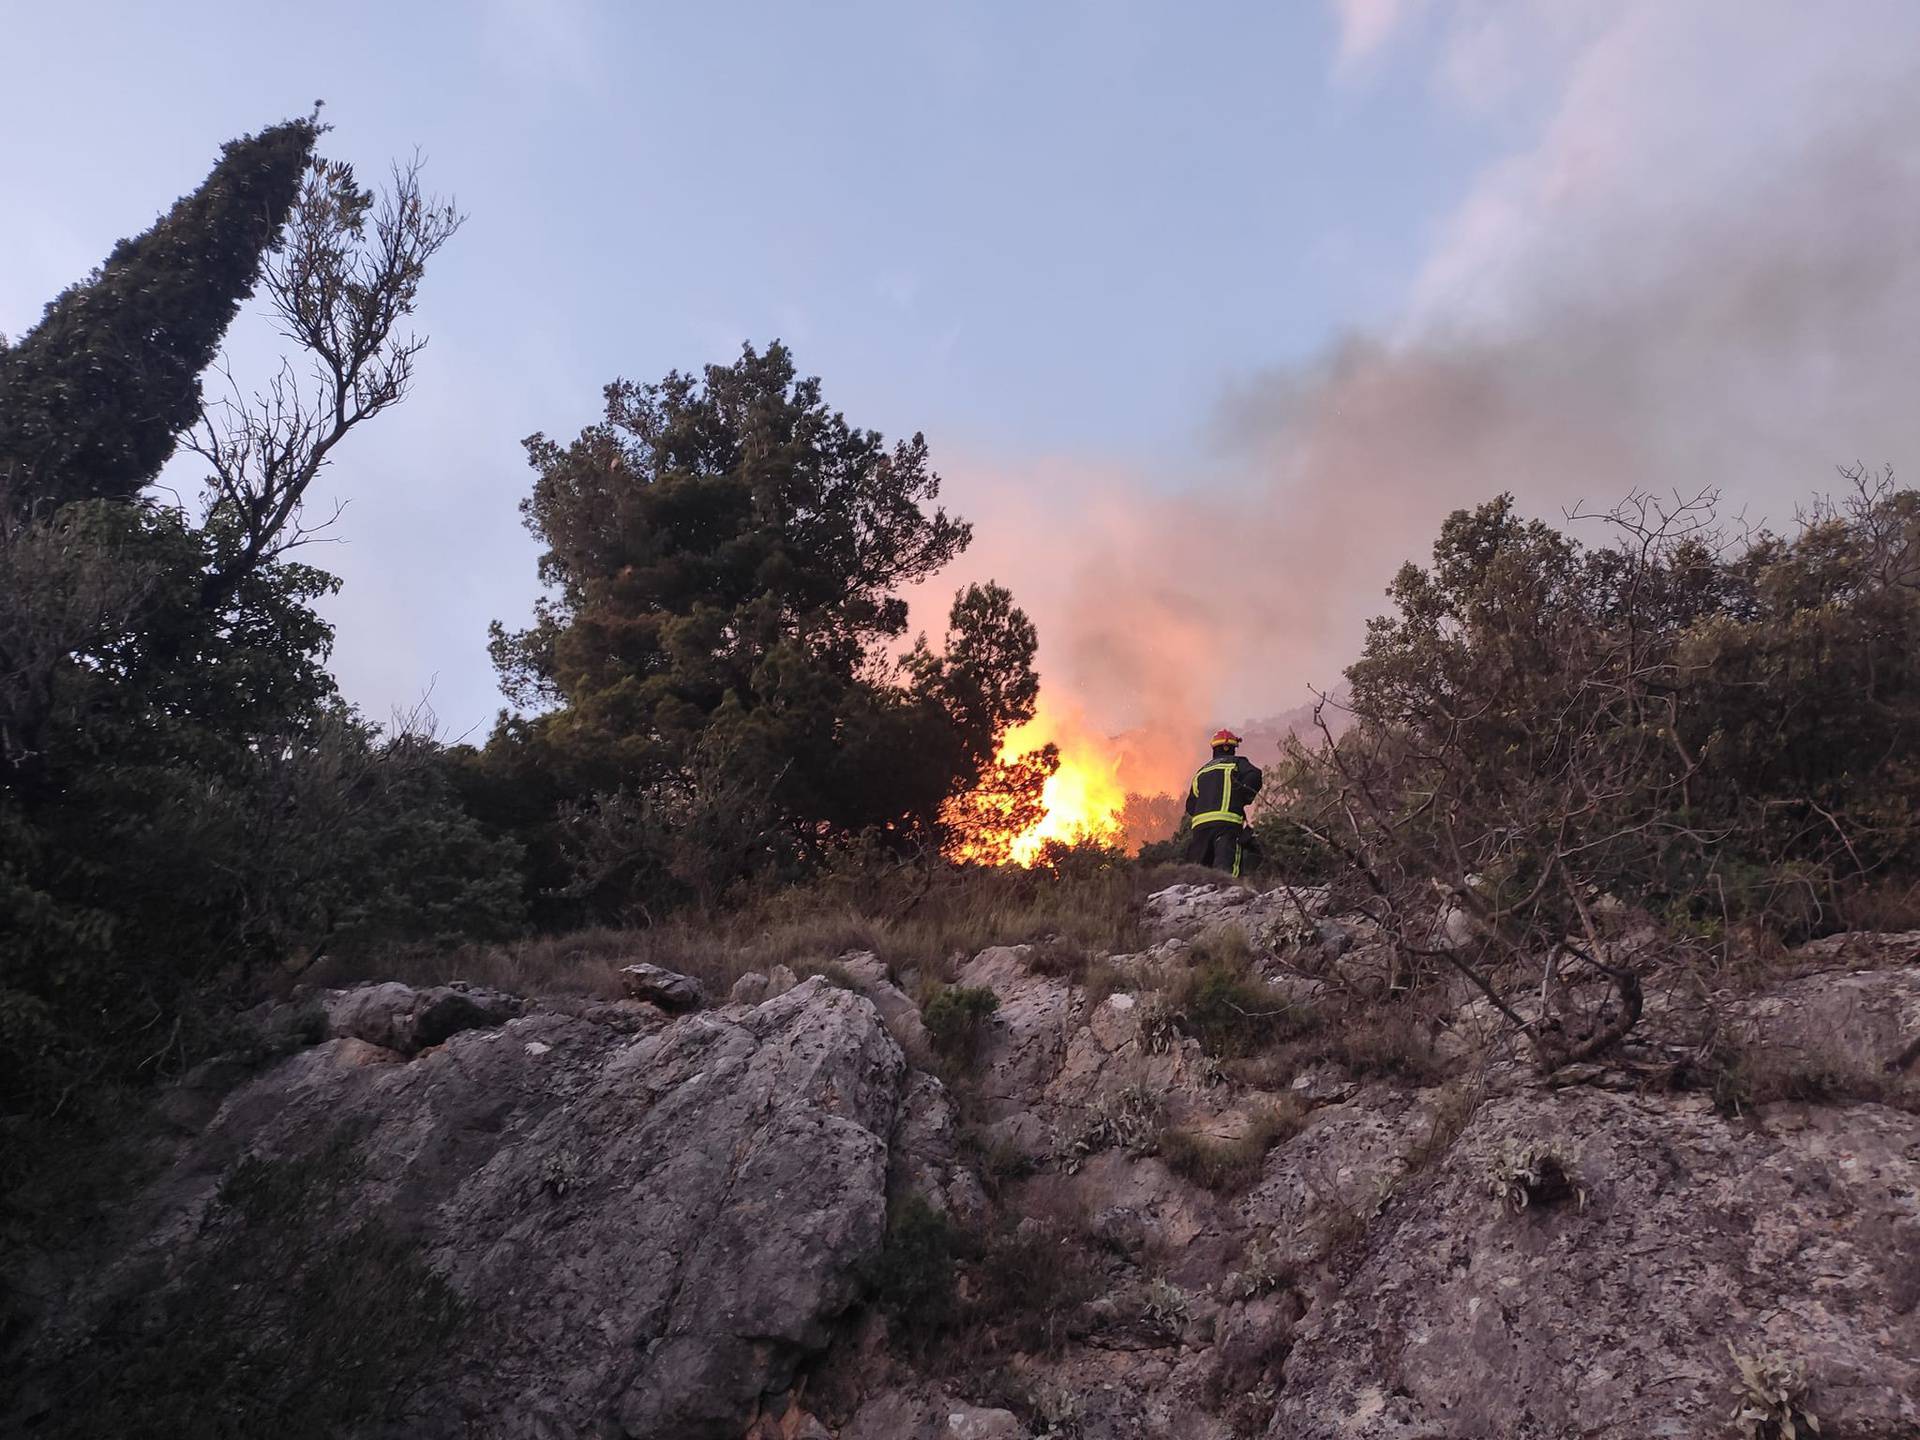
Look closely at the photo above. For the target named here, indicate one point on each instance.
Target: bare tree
(346, 276)
(1519, 761)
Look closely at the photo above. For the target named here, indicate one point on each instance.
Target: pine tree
(93, 398)
(726, 556)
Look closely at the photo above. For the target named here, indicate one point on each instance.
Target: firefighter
(1217, 806)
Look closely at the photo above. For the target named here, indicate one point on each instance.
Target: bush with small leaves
(912, 1278)
(955, 1015)
(268, 1329)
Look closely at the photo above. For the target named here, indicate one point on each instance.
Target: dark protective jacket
(1221, 789)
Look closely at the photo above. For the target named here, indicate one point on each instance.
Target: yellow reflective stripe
(1225, 812)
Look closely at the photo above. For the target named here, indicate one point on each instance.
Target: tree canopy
(726, 558)
(184, 796)
(99, 392)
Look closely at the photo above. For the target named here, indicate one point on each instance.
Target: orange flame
(1084, 798)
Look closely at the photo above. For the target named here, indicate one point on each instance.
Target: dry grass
(1226, 1004)
(1747, 1071)
(1390, 1041)
(1102, 980)
(912, 918)
(1394, 1040)
(1229, 1165)
(1453, 1110)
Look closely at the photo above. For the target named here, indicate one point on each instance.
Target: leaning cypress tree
(93, 398)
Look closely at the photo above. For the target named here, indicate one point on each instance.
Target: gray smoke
(1706, 273)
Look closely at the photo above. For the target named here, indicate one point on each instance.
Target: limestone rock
(749, 989)
(910, 1415)
(400, 1018)
(870, 976)
(1263, 914)
(1613, 1320)
(671, 991)
(1857, 1032)
(925, 1153)
(722, 1181)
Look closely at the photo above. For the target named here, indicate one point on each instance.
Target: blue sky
(1125, 265)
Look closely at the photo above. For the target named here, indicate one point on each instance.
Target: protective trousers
(1216, 844)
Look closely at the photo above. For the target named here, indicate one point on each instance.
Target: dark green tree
(183, 795)
(725, 556)
(95, 397)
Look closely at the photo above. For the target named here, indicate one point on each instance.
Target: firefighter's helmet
(1223, 738)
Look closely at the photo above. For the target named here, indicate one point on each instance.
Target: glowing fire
(1084, 798)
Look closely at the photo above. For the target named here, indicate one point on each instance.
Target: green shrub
(1227, 1006)
(1289, 851)
(955, 1015)
(1563, 738)
(290, 1320)
(912, 1278)
(1031, 1284)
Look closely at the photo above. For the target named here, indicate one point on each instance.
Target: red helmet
(1224, 737)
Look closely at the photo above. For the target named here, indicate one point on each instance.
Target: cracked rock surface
(657, 1228)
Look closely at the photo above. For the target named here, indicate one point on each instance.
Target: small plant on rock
(1058, 1413)
(560, 1172)
(955, 1015)
(1164, 1309)
(1262, 1271)
(1159, 1025)
(1771, 1397)
(1125, 1119)
(1534, 1174)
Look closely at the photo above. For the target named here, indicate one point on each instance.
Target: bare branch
(347, 275)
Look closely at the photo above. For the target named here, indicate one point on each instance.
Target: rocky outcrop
(658, 1228)
(1611, 1313)
(672, 992)
(673, 1224)
(402, 1019)
(1263, 915)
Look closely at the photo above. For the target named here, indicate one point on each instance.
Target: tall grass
(914, 917)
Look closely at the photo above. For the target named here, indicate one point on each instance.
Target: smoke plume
(1702, 270)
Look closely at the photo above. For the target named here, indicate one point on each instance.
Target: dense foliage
(269, 1331)
(1556, 742)
(722, 648)
(183, 795)
(98, 393)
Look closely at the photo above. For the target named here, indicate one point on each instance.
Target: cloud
(1366, 27)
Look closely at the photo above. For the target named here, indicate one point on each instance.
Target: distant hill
(1266, 737)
